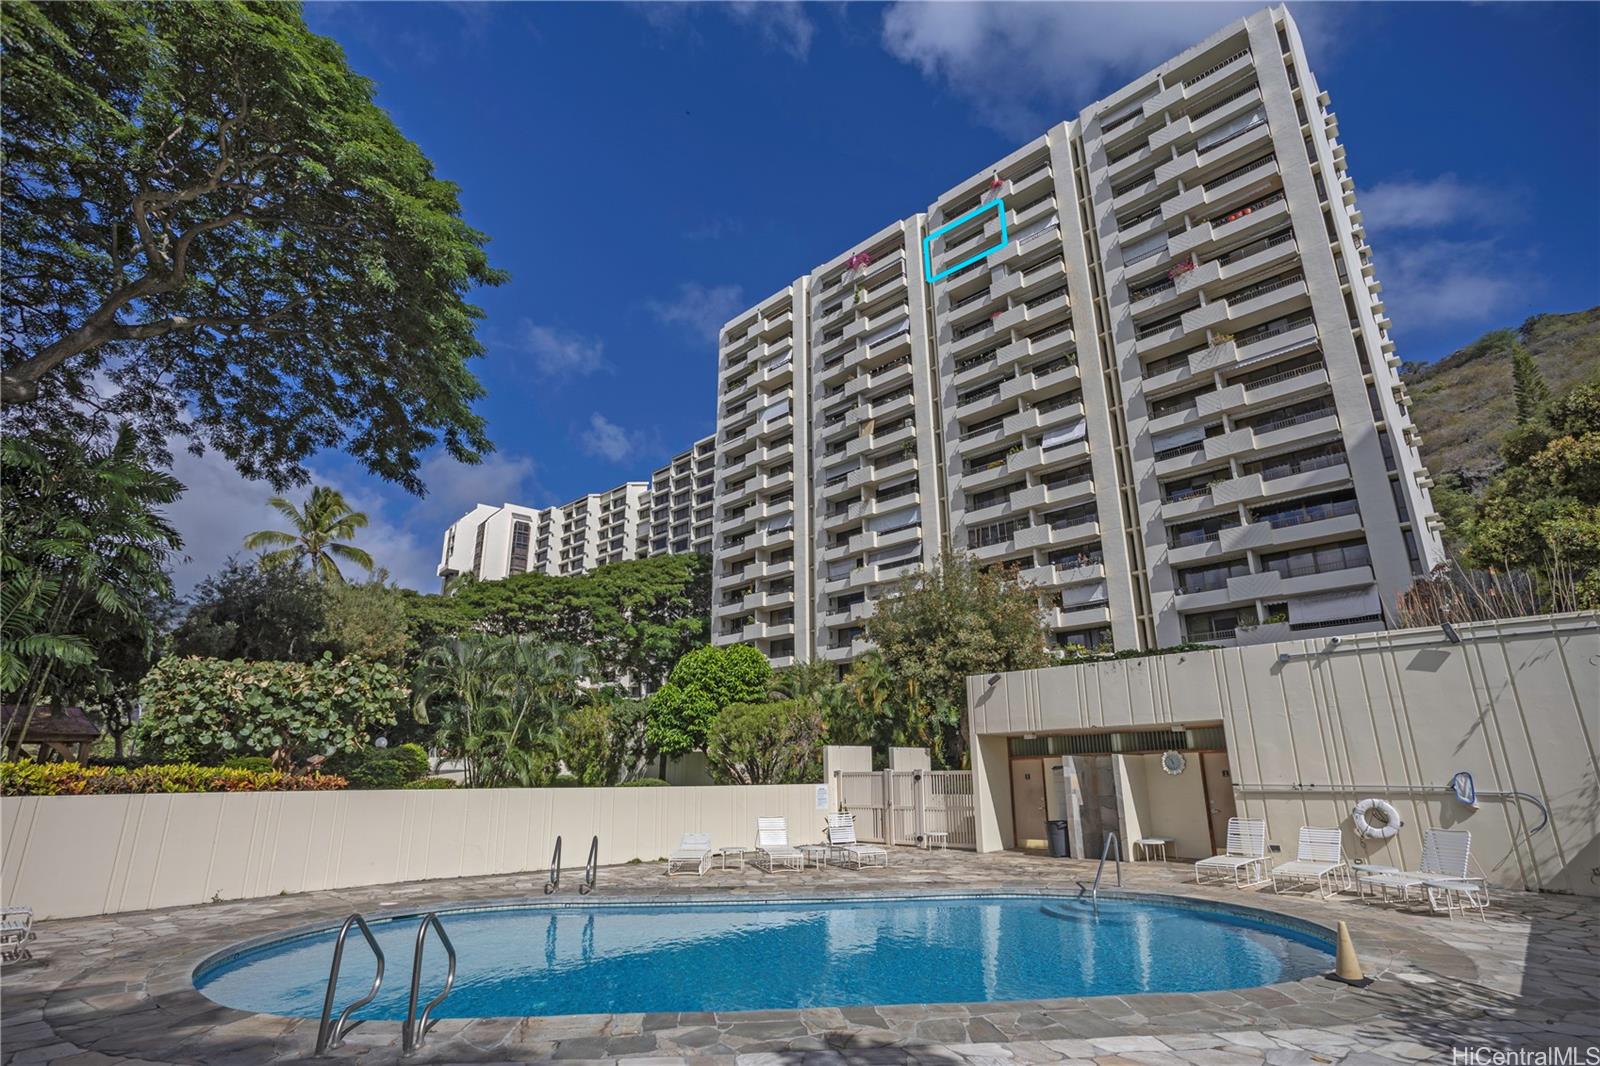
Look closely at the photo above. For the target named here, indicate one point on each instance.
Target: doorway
(1218, 782)
(1028, 804)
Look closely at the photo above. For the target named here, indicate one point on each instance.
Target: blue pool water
(589, 959)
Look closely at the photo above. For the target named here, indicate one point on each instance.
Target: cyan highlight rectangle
(998, 204)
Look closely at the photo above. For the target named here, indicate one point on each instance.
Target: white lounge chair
(694, 853)
(772, 846)
(842, 839)
(1319, 860)
(1245, 862)
(16, 932)
(1446, 879)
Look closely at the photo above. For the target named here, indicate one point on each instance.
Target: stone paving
(118, 990)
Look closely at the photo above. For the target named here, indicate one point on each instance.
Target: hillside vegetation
(1463, 405)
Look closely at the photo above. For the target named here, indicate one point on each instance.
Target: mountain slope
(1462, 404)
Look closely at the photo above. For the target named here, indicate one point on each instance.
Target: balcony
(1270, 585)
(1276, 339)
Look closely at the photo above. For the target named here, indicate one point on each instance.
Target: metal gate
(919, 807)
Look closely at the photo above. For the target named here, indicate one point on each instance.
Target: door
(1028, 794)
(1219, 796)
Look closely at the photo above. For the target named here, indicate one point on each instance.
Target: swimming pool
(757, 955)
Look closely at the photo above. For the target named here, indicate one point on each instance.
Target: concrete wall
(1387, 714)
(1158, 804)
(68, 856)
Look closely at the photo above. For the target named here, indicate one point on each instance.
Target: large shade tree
(213, 231)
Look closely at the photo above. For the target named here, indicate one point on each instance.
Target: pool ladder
(330, 1033)
(591, 866)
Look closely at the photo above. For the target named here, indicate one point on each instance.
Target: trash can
(1058, 837)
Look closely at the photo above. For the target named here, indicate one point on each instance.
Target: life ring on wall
(1386, 825)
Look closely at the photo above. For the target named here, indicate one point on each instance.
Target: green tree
(210, 221)
(365, 620)
(459, 686)
(700, 685)
(250, 611)
(938, 627)
(313, 536)
(83, 547)
(766, 743)
(603, 742)
(1528, 386)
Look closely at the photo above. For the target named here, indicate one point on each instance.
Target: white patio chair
(694, 853)
(1445, 879)
(16, 932)
(1319, 860)
(842, 839)
(1245, 862)
(772, 846)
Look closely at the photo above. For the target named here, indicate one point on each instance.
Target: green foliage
(210, 709)
(776, 743)
(313, 536)
(258, 763)
(501, 704)
(365, 620)
(374, 767)
(602, 742)
(83, 546)
(637, 618)
(431, 782)
(642, 782)
(248, 611)
(72, 779)
(700, 685)
(1528, 389)
(209, 219)
(937, 627)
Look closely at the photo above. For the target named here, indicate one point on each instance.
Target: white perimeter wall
(68, 856)
(1517, 704)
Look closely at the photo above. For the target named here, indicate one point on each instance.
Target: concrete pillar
(910, 759)
(843, 758)
(991, 793)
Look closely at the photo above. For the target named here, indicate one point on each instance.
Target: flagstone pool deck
(118, 989)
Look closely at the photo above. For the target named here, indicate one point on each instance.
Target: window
(1320, 560)
(1210, 578)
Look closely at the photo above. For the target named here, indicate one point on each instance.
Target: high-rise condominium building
(1168, 398)
(679, 512)
(491, 543)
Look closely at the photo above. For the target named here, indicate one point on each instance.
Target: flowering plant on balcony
(1180, 269)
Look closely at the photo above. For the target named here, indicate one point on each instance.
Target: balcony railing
(981, 294)
(980, 428)
(1273, 329)
(1246, 209)
(1204, 74)
(1250, 292)
(1140, 332)
(974, 396)
(1260, 244)
(1212, 105)
(1292, 420)
(1045, 297)
(1239, 172)
(973, 330)
(1049, 331)
(1143, 291)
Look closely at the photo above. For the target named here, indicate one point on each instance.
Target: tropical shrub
(431, 782)
(73, 779)
(258, 763)
(393, 767)
(701, 684)
(766, 743)
(642, 782)
(208, 710)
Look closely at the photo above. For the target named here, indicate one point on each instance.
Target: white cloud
(1429, 204)
(560, 353)
(781, 24)
(454, 487)
(1027, 66)
(606, 439)
(702, 309)
(221, 507)
(1443, 282)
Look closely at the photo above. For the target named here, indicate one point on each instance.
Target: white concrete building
(680, 510)
(496, 542)
(1169, 397)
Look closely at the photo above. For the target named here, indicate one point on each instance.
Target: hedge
(642, 782)
(73, 779)
(381, 767)
(431, 782)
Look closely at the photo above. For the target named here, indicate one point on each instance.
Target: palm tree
(327, 516)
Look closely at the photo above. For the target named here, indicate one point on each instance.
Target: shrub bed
(73, 779)
(394, 767)
(431, 782)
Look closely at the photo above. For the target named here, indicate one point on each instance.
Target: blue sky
(646, 170)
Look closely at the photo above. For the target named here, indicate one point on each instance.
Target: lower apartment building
(1143, 360)
(679, 512)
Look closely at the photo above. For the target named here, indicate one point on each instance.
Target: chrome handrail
(590, 867)
(555, 870)
(330, 1035)
(1094, 891)
(416, 1028)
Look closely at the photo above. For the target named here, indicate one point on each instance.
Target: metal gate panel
(864, 794)
(904, 806)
